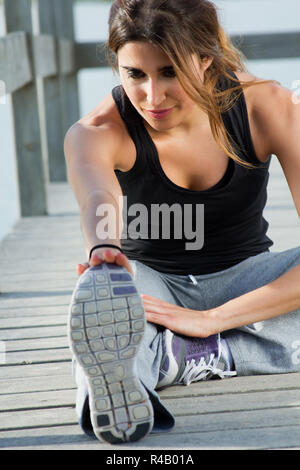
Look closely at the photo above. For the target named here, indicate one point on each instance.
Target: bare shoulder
(270, 108)
(100, 134)
(263, 95)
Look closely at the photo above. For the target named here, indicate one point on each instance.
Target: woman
(181, 149)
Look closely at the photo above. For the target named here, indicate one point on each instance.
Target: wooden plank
(37, 400)
(239, 385)
(253, 46)
(36, 299)
(90, 55)
(15, 65)
(64, 23)
(70, 437)
(55, 436)
(53, 99)
(21, 311)
(37, 356)
(36, 384)
(234, 402)
(231, 421)
(37, 418)
(39, 332)
(45, 60)
(31, 177)
(269, 46)
(258, 403)
(270, 422)
(37, 344)
(31, 322)
(35, 370)
(66, 56)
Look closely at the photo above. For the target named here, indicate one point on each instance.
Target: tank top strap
(135, 127)
(236, 121)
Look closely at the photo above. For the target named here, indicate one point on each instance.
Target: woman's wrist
(216, 320)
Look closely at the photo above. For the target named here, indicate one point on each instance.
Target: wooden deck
(37, 390)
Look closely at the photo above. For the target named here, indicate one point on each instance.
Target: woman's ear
(206, 62)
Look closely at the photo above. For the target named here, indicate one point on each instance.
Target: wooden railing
(39, 64)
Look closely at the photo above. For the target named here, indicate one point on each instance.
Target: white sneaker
(106, 326)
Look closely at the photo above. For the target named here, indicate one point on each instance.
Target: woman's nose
(155, 94)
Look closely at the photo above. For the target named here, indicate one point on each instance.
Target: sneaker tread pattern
(106, 325)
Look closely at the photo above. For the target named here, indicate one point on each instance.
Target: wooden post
(31, 178)
(64, 20)
(53, 104)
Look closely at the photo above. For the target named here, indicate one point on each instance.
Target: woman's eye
(138, 74)
(170, 73)
(135, 74)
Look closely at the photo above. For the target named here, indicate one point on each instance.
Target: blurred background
(90, 21)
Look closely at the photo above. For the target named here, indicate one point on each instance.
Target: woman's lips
(159, 113)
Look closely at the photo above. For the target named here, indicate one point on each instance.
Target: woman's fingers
(106, 256)
(82, 267)
(122, 260)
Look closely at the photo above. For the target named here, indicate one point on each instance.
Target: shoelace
(199, 371)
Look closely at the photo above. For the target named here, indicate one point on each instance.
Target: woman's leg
(117, 353)
(267, 347)
(149, 356)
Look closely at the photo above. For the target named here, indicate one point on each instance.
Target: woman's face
(151, 85)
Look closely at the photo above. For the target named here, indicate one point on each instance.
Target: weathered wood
(71, 438)
(27, 333)
(37, 418)
(66, 56)
(29, 322)
(63, 13)
(37, 356)
(31, 175)
(37, 344)
(15, 64)
(45, 60)
(31, 371)
(90, 55)
(238, 385)
(253, 46)
(36, 384)
(53, 99)
(269, 46)
(55, 436)
(234, 402)
(37, 400)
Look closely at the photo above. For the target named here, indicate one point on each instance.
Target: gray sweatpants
(268, 347)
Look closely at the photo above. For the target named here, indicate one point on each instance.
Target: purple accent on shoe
(186, 359)
(124, 290)
(120, 277)
(196, 348)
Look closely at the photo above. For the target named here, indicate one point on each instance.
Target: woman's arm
(91, 154)
(272, 300)
(277, 114)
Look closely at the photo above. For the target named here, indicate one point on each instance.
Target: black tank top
(181, 231)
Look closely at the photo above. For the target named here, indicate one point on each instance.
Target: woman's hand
(196, 323)
(105, 255)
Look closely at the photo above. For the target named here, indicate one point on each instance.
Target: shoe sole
(106, 326)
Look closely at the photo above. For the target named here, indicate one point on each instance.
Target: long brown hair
(184, 29)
